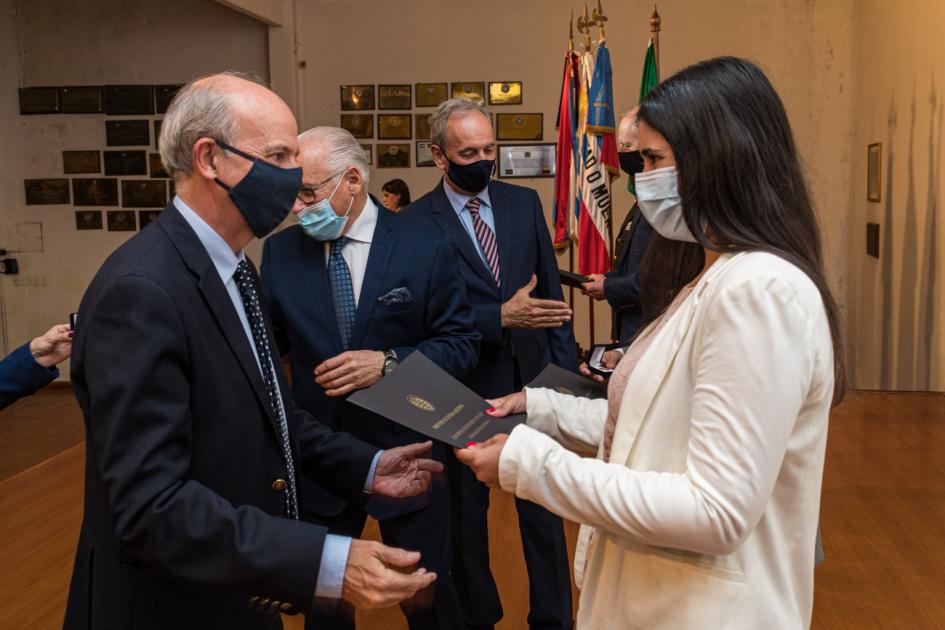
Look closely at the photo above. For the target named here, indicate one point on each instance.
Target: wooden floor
(883, 517)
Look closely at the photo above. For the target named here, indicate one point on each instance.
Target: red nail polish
(470, 444)
(490, 410)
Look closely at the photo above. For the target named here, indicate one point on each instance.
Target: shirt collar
(362, 230)
(459, 200)
(220, 252)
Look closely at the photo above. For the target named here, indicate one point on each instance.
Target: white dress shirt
(358, 248)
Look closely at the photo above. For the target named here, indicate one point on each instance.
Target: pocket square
(400, 295)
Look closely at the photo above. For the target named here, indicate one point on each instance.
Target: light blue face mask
(320, 221)
(658, 197)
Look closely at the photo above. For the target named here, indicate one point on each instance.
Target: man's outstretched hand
(401, 472)
(378, 576)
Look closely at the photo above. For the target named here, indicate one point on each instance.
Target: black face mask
(631, 163)
(471, 177)
(266, 195)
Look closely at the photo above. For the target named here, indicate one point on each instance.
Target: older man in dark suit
(512, 284)
(193, 449)
(355, 289)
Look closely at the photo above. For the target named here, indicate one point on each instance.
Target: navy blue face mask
(471, 177)
(266, 195)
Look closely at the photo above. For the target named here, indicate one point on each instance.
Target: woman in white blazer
(697, 482)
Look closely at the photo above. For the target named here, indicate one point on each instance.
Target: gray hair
(201, 109)
(441, 117)
(342, 150)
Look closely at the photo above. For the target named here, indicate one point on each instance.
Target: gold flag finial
(599, 19)
(584, 24)
(655, 21)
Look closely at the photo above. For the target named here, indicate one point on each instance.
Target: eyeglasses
(307, 193)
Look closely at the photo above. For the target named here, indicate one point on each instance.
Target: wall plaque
(357, 97)
(369, 152)
(393, 96)
(39, 100)
(472, 91)
(74, 162)
(121, 221)
(526, 160)
(424, 155)
(94, 191)
(129, 100)
(127, 133)
(125, 163)
(43, 192)
(88, 220)
(430, 94)
(156, 166)
(147, 217)
(163, 95)
(393, 126)
(82, 99)
(143, 193)
(360, 125)
(507, 93)
(393, 155)
(157, 135)
(421, 126)
(518, 126)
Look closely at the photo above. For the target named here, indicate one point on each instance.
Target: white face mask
(658, 196)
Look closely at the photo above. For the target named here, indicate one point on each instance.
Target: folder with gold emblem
(566, 382)
(420, 395)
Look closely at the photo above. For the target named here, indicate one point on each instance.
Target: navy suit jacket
(183, 524)
(622, 284)
(435, 319)
(524, 249)
(21, 375)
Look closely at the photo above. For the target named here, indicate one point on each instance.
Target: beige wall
(897, 302)
(805, 46)
(94, 42)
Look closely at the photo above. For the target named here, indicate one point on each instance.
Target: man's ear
(205, 158)
(439, 158)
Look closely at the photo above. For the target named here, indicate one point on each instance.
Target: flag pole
(571, 240)
(655, 23)
(600, 18)
(584, 25)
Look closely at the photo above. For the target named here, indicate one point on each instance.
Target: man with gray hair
(512, 282)
(193, 448)
(354, 289)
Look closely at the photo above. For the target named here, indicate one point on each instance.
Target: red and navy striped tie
(486, 238)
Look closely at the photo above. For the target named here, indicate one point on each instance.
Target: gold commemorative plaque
(82, 99)
(430, 94)
(472, 91)
(94, 191)
(393, 96)
(393, 155)
(421, 124)
(357, 97)
(505, 93)
(39, 100)
(75, 162)
(121, 221)
(156, 166)
(143, 193)
(45, 192)
(360, 125)
(393, 126)
(129, 100)
(519, 126)
(88, 220)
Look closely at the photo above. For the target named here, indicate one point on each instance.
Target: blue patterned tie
(247, 287)
(342, 293)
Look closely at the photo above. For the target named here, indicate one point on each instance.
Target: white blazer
(708, 505)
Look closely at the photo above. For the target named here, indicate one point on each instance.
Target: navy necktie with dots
(342, 292)
(247, 287)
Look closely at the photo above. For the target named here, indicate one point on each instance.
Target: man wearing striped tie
(512, 283)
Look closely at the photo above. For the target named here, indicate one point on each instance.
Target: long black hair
(740, 180)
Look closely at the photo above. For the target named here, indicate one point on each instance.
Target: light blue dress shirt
(459, 201)
(331, 569)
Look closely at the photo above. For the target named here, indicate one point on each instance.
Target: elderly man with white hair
(354, 289)
(194, 448)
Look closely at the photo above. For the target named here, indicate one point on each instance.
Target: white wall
(90, 42)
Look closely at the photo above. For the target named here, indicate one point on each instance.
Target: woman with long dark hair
(701, 506)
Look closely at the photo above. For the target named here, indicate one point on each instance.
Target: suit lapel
(218, 300)
(381, 246)
(446, 218)
(650, 372)
(321, 290)
(502, 216)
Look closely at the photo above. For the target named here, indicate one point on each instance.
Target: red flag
(564, 195)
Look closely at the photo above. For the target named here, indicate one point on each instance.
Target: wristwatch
(390, 362)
